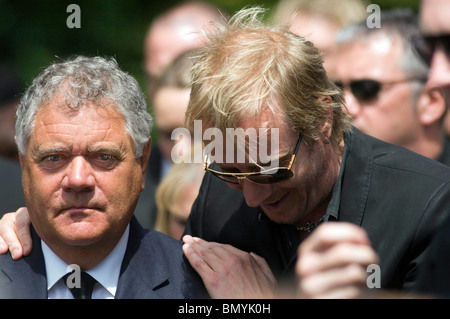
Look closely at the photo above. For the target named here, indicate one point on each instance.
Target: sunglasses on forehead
(367, 90)
(426, 46)
(269, 176)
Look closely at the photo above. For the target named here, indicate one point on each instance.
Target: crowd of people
(356, 119)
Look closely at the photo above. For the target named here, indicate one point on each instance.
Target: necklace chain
(309, 227)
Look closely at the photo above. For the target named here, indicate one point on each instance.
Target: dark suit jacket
(434, 278)
(444, 157)
(397, 196)
(153, 267)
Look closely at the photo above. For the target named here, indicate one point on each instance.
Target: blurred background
(34, 33)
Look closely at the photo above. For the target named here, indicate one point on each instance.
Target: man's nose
(254, 193)
(439, 75)
(79, 176)
(351, 103)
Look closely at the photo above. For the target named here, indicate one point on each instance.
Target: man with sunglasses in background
(434, 48)
(383, 80)
(250, 221)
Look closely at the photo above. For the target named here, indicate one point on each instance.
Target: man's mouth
(274, 204)
(79, 209)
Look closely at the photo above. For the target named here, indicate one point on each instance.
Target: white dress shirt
(106, 273)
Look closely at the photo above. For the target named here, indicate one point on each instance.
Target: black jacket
(399, 197)
(153, 267)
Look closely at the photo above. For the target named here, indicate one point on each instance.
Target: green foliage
(34, 33)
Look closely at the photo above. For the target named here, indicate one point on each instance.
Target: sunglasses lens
(281, 175)
(424, 47)
(441, 42)
(445, 43)
(365, 90)
(226, 178)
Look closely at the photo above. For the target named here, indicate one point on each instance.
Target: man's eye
(105, 157)
(105, 161)
(53, 161)
(54, 158)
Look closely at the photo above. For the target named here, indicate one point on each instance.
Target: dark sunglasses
(366, 90)
(425, 46)
(269, 176)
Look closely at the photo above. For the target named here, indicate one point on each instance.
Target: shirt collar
(332, 212)
(106, 273)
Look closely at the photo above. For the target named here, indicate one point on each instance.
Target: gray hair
(86, 79)
(395, 24)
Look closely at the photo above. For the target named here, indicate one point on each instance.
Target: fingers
(332, 262)
(23, 230)
(3, 246)
(229, 272)
(15, 232)
(261, 262)
(337, 256)
(331, 233)
(344, 282)
(9, 237)
(195, 257)
(212, 255)
(204, 258)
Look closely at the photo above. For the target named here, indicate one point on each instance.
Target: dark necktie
(86, 286)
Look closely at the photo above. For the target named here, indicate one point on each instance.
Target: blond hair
(249, 67)
(179, 176)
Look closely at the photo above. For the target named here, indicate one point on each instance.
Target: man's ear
(430, 106)
(144, 160)
(327, 126)
(21, 160)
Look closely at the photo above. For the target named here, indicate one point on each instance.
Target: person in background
(384, 83)
(180, 29)
(175, 195)
(179, 187)
(248, 226)
(434, 48)
(319, 21)
(435, 28)
(173, 32)
(169, 106)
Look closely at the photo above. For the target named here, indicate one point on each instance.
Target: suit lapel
(27, 275)
(143, 270)
(357, 178)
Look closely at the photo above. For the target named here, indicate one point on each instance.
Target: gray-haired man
(83, 134)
